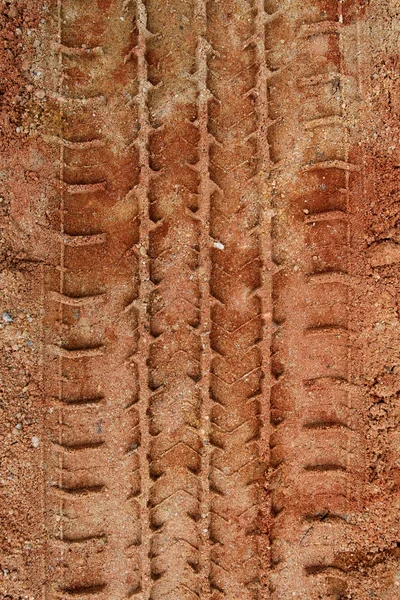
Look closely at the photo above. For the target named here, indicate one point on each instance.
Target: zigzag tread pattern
(236, 324)
(135, 400)
(174, 311)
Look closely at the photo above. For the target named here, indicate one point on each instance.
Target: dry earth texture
(200, 300)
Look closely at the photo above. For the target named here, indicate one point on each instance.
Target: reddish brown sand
(200, 300)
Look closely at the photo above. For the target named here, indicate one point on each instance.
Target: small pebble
(40, 94)
(7, 318)
(35, 441)
(219, 245)
(13, 12)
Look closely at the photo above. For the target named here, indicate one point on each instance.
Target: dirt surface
(200, 300)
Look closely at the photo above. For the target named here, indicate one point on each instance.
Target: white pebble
(35, 441)
(219, 245)
(7, 318)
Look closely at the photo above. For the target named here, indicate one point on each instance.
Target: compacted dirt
(200, 299)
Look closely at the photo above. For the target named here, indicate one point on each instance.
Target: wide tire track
(156, 310)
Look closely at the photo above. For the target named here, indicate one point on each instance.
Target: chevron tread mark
(174, 309)
(197, 306)
(236, 322)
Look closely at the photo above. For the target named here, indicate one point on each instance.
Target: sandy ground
(200, 296)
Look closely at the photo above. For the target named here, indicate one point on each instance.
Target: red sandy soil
(200, 300)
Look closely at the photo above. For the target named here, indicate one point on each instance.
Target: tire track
(173, 117)
(93, 468)
(236, 328)
(316, 448)
(175, 351)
